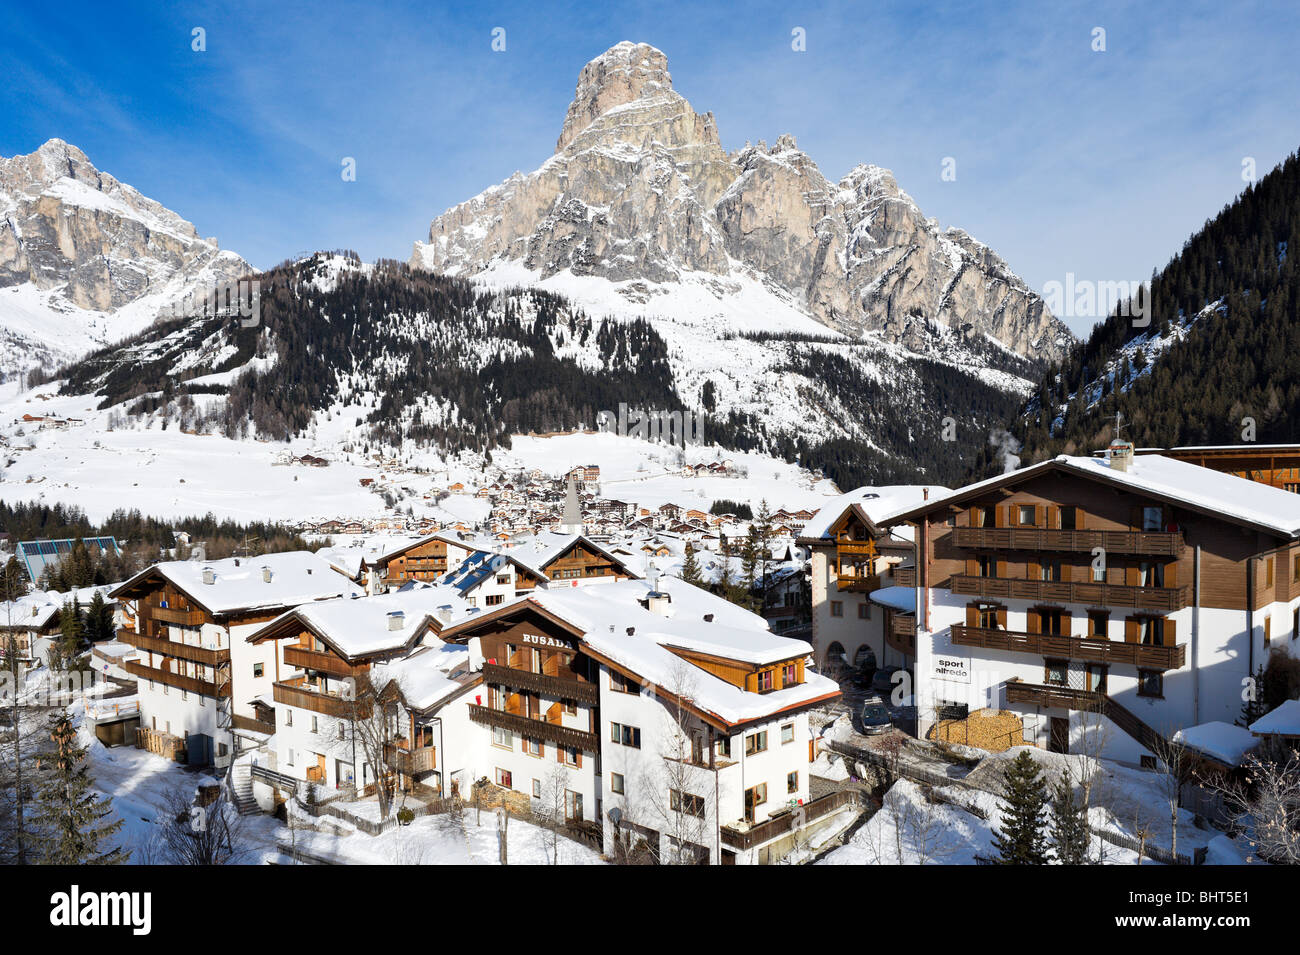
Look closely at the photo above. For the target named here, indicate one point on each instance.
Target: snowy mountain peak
(86, 259)
(641, 211)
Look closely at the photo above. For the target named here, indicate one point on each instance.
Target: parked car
(883, 680)
(875, 717)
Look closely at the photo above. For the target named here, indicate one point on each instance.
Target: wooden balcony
(1057, 697)
(303, 697)
(1092, 649)
(319, 660)
(182, 618)
(1166, 599)
(248, 724)
(905, 577)
(903, 625)
(856, 547)
(744, 836)
(178, 680)
(410, 762)
(536, 728)
(174, 648)
(1147, 543)
(863, 584)
(558, 687)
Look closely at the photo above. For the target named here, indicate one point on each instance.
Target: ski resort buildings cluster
(1107, 604)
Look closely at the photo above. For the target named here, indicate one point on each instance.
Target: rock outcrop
(640, 188)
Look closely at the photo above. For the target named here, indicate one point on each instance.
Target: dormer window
(790, 674)
(765, 681)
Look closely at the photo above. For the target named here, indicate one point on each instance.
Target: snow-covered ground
(169, 473)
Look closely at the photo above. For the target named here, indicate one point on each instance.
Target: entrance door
(1059, 735)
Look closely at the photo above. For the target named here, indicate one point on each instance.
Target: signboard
(542, 641)
(954, 669)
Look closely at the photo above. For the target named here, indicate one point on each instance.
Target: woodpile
(991, 730)
(162, 744)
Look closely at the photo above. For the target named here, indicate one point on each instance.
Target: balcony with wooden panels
(905, 577)
(1166, 599)
(174, 615)
(250, 725)
(178, 680)
(1143, 543)
(903, 624)
(299, 694)
(858, 583)
(536, 728)
(1058, 646)
(320, 661)
(408, 761)
(516, 679)
(174, 648)
(744, 835)
(1054, 697)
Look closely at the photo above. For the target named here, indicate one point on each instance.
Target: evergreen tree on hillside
(72, 635)
(99, 620)
(691, 566)
(1069, 824)
(72, 818)
(1021, 839)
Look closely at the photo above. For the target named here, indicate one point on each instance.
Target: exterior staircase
(241, 780)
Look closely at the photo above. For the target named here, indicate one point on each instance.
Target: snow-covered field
(169, 473)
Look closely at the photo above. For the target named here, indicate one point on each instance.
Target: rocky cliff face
(64, 224)
(640, 191)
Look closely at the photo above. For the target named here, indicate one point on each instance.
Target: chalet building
(490, 578)
(203, 688)
(853, 554)
(322, 655)
(665, 717)
(1277, 465)
(1109, 602)
(427, 559)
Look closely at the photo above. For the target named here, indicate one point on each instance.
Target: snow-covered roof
(1225, 742)
(429, 676)
(1190, 484)
(896, 598)
(297, 577)
(1283, 721)
(604, 614)
(360, 626)
(879, 504)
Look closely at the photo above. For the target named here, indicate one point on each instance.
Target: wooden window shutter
(972, 615)
(973, 520)
(1171, 574)
(972, 567)
(1171, 632)
(1066, 568)
(1054, 517)
(1130, 630)
(578, 763)
(1040, 515)
(1066, 621)
(1002, 617)
(1131, 575)
(1035, 621)
(1078, 519)
(1000, 516)
(1002, 568)
(1035, 570)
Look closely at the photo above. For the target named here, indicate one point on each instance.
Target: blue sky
(1068, 160)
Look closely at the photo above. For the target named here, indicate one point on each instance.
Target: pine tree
(1022, 840)
(72, 632)
(749, 567)
(1253, 707)
(691, 567)
(1069, 824)
(99, 620)
(72, 818)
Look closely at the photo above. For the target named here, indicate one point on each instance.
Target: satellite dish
(615, 815)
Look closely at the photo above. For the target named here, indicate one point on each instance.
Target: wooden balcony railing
(854, 583)
(1167, 599)
(249, 724)
(174, 648)
(1059, 697)
(410, 762)
(318, 660)
(903, 625)
(905, 577)
(536, 728)
(178, 680)
(558, 687)
(299, 695)
(856, 547)
(741, 836)
(182, 618)
(1149, 543)
(1093, 649)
